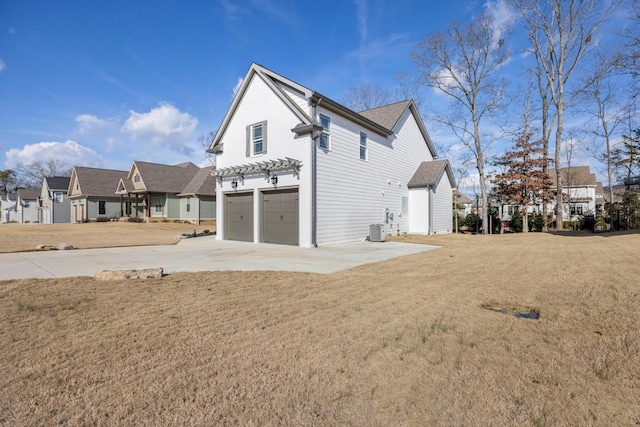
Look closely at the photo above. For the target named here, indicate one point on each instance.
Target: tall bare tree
(560, 33)
(463, 63)
(547, 119)
(605, 103)
(31, 175)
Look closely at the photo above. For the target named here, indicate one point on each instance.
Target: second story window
(325, 137)
(257, 139)
(363, 146)
(57, 196)
(136, 178)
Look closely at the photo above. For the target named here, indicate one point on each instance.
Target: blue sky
(104, 83)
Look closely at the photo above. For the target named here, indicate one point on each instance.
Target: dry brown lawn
(400, 342)
(25, 237)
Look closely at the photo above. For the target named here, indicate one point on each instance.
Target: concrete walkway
(201, 254)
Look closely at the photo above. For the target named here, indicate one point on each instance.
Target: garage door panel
(280, 217)
(239, 217)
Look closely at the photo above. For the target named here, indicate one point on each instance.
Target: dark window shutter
(264, 137)
(248, 141)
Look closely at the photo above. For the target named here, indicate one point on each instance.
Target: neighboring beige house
(92, 194)
(159, 192)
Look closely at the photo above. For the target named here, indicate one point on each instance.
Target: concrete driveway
(201, 254)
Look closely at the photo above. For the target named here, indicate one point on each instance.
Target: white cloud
(88, 123)
(502, 15)
(164, 125)
(70, 152)
(3, 65)
(361, 6)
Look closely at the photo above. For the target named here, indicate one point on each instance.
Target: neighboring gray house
(159, 192)
(27, 205)
(55, 207)
(92, 194)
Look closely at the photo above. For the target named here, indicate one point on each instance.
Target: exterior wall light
(274, 179)
(234, 184)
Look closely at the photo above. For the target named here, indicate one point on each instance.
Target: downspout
(314, 164)
(430, 209)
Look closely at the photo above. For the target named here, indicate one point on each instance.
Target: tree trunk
(559, 204)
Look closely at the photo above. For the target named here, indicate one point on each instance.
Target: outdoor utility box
(376, 233)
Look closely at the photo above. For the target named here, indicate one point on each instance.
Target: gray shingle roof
(387, 115)
(428, 174)
(166, 178)
(574, 176)
(58, 182)
(98, 182)
(29, 194)
(202, 183)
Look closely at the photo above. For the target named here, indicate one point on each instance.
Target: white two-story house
(295, 167)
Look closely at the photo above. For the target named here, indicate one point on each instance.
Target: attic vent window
(136, 178)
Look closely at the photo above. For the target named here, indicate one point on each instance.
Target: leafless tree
(366, 96)
(560, 33)
(205, 141)
(629, 55)
(605, 103)
(463, 63)
(31, 175)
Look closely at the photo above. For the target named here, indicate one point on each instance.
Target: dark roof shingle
(98, 182)
(428, 174)
(386, 115)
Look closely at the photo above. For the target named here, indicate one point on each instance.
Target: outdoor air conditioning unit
(376, 233)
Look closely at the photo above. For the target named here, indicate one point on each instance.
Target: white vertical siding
(352, 193)
(419, 210)
(442, 199)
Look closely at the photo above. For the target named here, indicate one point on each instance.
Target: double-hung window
(57, 196)
(325, 136)
(363, 146)
(257, 139)
(159, 204)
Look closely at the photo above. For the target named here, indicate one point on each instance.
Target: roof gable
(272, 80)
(94, 181)
(429, 174)
(387, 115)
(391, 115)
(165, 178)
(278, 83)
